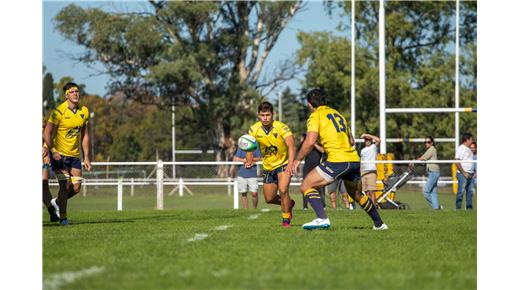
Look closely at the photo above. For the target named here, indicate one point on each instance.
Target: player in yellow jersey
(65, 134)
(342, 162)
(46, 193)
(278, 148)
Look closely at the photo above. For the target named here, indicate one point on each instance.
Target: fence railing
(181, 183)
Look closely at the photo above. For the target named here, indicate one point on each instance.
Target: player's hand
(56, 156)
(466, 175)
(87, 165)
(288, 169)
(294, 167)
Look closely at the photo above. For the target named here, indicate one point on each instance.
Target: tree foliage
(420, 68)
(206, 56)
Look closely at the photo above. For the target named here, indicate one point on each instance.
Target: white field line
(253, 216)
(198, 237)
(220, 273)
(222, 227)
(265, 210)
(56, 281)
(202, 236)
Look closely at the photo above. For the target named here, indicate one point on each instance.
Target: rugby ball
(247, 143)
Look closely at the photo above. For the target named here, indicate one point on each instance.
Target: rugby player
(66, 133)
(278, 149)
(342, 162)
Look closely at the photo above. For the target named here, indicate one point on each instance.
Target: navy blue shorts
(331, 171)
(66, 162)
(272, 176)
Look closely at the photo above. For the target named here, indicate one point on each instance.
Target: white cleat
(317, 224)
(56, 207)
(380, 228)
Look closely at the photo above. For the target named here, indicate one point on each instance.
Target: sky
(57, 50)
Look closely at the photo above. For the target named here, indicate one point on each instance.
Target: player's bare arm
(291, 149)
(307, 146)
(85, 140)
(351, 139)
(319, 148)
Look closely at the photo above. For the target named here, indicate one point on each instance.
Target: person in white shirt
(465, 172)
(368, 170)
(473, 148)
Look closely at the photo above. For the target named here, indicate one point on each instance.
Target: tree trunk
(226, 148)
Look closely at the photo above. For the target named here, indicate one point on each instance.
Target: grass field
(200, 242)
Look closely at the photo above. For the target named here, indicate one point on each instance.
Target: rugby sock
(367, 205)
(316, 202)
(62, 199)
(47, 196)
(285, 217)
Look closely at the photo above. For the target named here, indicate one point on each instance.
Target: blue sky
(56, 49)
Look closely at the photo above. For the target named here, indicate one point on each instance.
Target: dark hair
(265, 106)
(431, 138)
(466, 136)
(316, 97)
(69, 85)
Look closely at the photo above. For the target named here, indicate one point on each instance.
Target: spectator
(465, 172)
(434, 172)
(338, 187)
(473, 148)
(312, 160)
(247, 178)
(368, 170)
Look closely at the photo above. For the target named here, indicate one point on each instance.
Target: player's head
(467, 139)
(71, 92)
(473, 147)
(265, 113)
(316, 98)
(429, 141)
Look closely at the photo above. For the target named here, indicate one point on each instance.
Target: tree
(48, 93)
(420, 68)
(205, 55)
(295, 112)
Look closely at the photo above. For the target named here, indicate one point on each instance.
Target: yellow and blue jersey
(272, 144)
(333, 132)
(67, 137)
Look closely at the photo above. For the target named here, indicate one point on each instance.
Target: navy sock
(369, 207)
(316, 203)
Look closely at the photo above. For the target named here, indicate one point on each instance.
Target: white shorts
(245, 183)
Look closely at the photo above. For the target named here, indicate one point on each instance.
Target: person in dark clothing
(312, 160)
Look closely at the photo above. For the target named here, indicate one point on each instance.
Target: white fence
(182, 183)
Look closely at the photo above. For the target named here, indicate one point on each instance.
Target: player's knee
(76, 183)
(254, 194)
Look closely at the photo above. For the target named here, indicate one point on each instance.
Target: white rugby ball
(247, 143)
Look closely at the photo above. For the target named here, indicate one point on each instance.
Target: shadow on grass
(144, 218)
(89, 222)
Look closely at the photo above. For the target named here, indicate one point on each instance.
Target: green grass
(141, 248)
